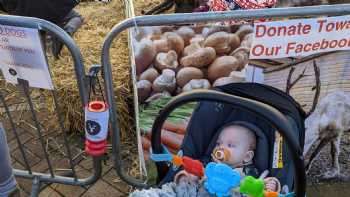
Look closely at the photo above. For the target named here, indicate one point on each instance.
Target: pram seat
(209, 116)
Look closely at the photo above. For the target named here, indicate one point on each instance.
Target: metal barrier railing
(25, 91)
(190, 18)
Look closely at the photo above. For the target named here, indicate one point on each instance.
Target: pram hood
(209, 117)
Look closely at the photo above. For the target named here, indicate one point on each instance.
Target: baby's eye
(231, 145)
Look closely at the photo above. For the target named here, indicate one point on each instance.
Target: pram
(268, 108)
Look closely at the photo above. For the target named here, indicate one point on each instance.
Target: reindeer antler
(317, 87)
(291, 84)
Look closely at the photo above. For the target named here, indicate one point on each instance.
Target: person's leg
(71, 23)
(7, 180)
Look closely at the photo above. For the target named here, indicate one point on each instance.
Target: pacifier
(221, 154)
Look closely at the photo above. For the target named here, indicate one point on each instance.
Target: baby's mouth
(221, 154)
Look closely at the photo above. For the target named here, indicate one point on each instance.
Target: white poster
(22, 56)
(301, 37)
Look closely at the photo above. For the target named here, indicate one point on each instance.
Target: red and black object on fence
(96, 128)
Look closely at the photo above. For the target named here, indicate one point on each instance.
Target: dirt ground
(323, 162)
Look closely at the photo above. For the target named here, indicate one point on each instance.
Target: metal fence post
(51, 176)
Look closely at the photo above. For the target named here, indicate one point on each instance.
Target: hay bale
(99, 20)
(141, 6)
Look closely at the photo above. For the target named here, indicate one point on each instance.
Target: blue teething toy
(220, 179)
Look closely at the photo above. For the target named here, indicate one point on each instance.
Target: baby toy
(255, 188)
(191, 166)
(220, 178)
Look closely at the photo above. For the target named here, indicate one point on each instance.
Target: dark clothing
(250, 170)
(59, 12)
(51, 10)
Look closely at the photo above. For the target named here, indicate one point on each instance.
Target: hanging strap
(93, 78)
(165, 156)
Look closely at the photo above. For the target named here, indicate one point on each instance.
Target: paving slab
(103, 189)
(31, 157)
(88, 165)
(24, 137)
(69, 190)
(112, 178)
(49, 192)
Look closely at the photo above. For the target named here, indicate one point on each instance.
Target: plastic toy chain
(220, 178)
(190, 165)
(255, 188)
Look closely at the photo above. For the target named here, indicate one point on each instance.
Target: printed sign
(277, 151)
(295, 38)
(22, 56)
(96, 123)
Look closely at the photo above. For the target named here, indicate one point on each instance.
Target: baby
(235, 147)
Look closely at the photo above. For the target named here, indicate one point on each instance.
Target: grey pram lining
(183, 189)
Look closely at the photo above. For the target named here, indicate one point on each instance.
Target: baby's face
(238, 142)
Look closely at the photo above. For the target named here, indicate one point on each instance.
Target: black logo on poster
(92, 127)
(12, 72)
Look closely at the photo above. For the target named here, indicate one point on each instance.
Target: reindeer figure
(327, 124)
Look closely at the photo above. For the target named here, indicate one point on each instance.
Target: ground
(323, 161)
(109, 184)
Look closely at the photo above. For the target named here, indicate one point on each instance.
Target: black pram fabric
(273, 97)
(51, 10)
(262, 146)
(209, 117)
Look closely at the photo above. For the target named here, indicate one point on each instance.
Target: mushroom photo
(171, 60)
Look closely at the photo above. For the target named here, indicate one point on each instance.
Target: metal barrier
(28, 173)
(190, 18)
